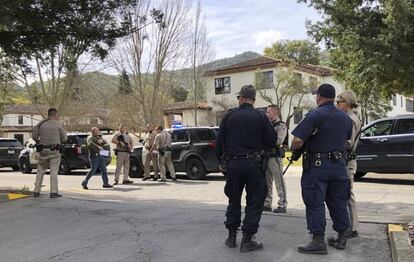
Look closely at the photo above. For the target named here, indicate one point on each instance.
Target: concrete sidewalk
(69, 229)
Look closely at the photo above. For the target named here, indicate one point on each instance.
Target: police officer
(347, 102)
(275, 167)
(162, 145)
(49, 134)
(323, 133)
(124, 147)
(244, 135)
(150, 156)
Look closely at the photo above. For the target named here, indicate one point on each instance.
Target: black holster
(39, 148)
(305, 161)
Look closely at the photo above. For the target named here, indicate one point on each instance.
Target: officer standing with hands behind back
(245, 134)
(49, 135)
(323, 134)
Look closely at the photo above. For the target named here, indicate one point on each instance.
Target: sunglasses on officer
(340, 101)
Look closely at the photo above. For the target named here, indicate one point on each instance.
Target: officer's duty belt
(51, 147)
(246, 156)
(331, 155)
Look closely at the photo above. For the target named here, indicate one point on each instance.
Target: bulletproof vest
(286, 141)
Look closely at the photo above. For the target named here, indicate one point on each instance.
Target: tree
(288, 90)
(200, 55)
(371, 43)
(298, 51)
(179, 94)
(124, 84)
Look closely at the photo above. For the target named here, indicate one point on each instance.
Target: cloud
(265, 38)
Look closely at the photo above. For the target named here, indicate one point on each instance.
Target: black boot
(317, 246)
(339, 242)
(231, 240)
(247, 244)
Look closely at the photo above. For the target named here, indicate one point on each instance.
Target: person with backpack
(274, 171)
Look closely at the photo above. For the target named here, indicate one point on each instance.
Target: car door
(204, 145)
(373, 146)
(401, 147)
(180, 145)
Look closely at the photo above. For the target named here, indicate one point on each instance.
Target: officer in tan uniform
(347, 102)
(49, 134)
(151, 156)
(275, 167)
(124, 147)
(162, 145)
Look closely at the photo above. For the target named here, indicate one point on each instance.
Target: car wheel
(64, 168)
(135, 169)
(195, 169)
(25, 166)
(358, 175)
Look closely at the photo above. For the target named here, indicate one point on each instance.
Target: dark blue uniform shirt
(245, 130)
(331, 135)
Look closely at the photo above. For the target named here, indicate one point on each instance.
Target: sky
(237, 26)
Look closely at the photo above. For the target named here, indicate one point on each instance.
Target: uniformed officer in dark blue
(323, 134)
(245, 133)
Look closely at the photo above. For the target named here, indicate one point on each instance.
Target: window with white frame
(264, 80)
(20, 120)
(222, 85)
(394, 100)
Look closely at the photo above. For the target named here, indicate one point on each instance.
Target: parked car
(74, 155)
(192, 152)
(10, 149)
(387, 146)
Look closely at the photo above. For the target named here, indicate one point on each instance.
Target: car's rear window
(10, 143)
(77, 139)
(205, 135)
(180, 136)
(405, 126)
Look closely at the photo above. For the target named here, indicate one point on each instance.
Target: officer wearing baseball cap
(347, 102)
(245, 134)
(323, 133)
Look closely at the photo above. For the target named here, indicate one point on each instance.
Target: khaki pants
(352, 208)
(165, 161)
(122, 160)
(274, 173)
(148, 158)
(48, 159)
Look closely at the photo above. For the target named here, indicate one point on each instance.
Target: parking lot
(383, 198)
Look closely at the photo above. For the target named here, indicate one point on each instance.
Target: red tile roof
(180, 106)
(268, 62)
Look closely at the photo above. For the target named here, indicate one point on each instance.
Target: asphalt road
(381, 198)
(183, 221)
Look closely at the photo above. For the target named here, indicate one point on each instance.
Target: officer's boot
(316, 246)
(247, 244)
(231, 240)
(339, 242)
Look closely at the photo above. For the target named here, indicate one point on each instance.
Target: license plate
(11, 151)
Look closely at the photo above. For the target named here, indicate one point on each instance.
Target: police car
(10, 149)
(387, 146)
(192, 152)
(74, 155)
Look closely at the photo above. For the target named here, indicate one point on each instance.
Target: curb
(401, 248)
(10, 196)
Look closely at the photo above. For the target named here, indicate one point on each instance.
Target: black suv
(9, 153)
(192, 152)
(387, 146)
(74, 155)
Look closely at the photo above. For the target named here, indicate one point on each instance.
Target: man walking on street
(150, 156)
(162, 145)
(49, 135)
(97, 147)
(347, 102)
(124, 147)
(323, 134)
(244, 136)
(275, 167)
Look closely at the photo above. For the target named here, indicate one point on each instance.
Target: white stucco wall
(204, 118)
(399, 108)
(13, 120)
